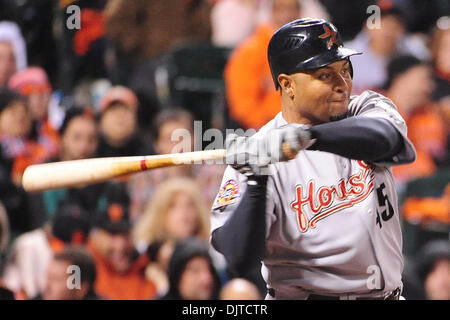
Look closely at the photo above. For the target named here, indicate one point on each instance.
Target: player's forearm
(242, 238)
(361, 138)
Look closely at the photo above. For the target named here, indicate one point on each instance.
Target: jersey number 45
(385, 205)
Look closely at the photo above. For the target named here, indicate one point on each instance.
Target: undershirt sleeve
(360, 138)
(242, 238)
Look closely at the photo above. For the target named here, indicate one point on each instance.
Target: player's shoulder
(276, 122)
(367, 100)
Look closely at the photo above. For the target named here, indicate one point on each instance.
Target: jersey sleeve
(232, 189)
(375, 105)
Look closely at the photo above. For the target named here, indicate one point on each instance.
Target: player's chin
(337, 109)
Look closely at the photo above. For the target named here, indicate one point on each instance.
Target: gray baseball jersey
(333, 223)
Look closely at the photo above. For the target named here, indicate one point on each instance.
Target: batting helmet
(305, 44)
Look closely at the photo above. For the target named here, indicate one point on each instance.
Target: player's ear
(286, 84)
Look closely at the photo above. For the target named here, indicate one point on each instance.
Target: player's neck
(291, 115)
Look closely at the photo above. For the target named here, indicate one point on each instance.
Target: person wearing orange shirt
(120, 270)
(251, 96)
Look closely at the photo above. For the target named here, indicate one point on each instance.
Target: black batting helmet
(305, 44)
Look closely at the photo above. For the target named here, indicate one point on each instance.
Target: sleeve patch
(227, 195)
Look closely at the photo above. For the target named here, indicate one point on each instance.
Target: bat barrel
(77, 173)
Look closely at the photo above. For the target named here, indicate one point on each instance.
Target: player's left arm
(375, 132)
(361, 138)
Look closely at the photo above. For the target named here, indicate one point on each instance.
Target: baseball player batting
(324, 225)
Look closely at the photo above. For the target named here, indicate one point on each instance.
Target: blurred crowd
(103, 78)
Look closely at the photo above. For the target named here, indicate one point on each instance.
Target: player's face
(320, 95)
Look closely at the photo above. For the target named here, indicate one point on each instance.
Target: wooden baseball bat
(75, 173)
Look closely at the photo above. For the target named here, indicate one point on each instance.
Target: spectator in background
(159, 253)
(174, 212)
(440, 47)
(17, 151)
(142, 185)
(118, 124)
(251, 96)
(79, 136)
(409, 86)
(120, 269)
(191, 272)
(232, 21)
(239, 289)
(379, 44)
(33, 84)
(32, 251)
(15, 126)
(433, 265)
(13, 54)
(15, 130)
(58, 272)
(170, 127)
